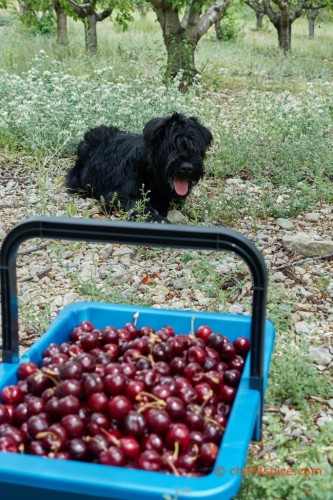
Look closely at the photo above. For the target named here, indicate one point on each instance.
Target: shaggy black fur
(165, 162)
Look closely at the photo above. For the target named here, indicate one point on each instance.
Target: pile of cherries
(128, 397)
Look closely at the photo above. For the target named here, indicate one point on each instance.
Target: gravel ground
(53, 274)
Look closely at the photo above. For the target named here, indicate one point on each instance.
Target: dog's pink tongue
(181, 185)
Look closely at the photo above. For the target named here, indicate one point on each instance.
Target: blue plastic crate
(36, 478)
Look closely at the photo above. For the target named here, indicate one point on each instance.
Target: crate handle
(162, 235)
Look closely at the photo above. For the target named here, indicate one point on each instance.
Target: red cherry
(8, 445)
(150, 460)
(26, 369)
(236, 362)
(86, 326)
(203, 332)
(208, 453)
(180, 434)
(118, 407)
(227, 393)
(242, 345)
(4, 415)
(232, 377)
(12, 394)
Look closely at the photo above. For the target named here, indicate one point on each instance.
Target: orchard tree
(282, 14)
(312, 12)
(87, 12)
(37, 15)
(183, 24)
(60, 11)
(258, 7)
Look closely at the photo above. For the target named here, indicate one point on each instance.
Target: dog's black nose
(185, 168)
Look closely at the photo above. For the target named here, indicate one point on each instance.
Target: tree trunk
(284, 35)
(180, 51)
(311, 27)
(180, 59)
(312, 15)
(259, 16)
(284, 31)
(91, 34)
(218, 30)
(61, 23)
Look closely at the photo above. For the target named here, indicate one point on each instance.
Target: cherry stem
(149, 358)
(172, 467)
(213, 379)
(89, 438)
(196, 449)
(160, 401)
(154, 339)
(48, 374)
(43, 434)
(110, 436)
(152, 404)
(209, 419)
(210, 394)
(176, 452)
(135, 317)
(192, 325)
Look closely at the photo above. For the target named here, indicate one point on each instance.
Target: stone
(176, 217)
(305, 327)
(303, 244)
(236, 309)
(121, 251)
(285, 223)
(312, 217)
(327, 419)
(179, 284)
(292, 416)
(297, 432)
(106, 251)
(70, 298)
(88, 272)
(278, 276)
(158, 299)
(233, 181)
(320, 355)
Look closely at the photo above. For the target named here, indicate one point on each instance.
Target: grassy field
(271, 118)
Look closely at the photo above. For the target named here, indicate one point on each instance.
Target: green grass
(271, 115)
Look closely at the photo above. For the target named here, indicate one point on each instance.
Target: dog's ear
(207, 135)
(153, 131)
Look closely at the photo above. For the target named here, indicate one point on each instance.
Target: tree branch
(255, 5)
(297, 11)
(281, 4)
(193, 23)
(103, 15)
(79, 8)
(272, 15)
(186, 14)
(301, 261)
(212, 14)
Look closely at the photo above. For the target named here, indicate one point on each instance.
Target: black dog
(120, 168)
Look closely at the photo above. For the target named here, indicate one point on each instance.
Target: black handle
(163, 235)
